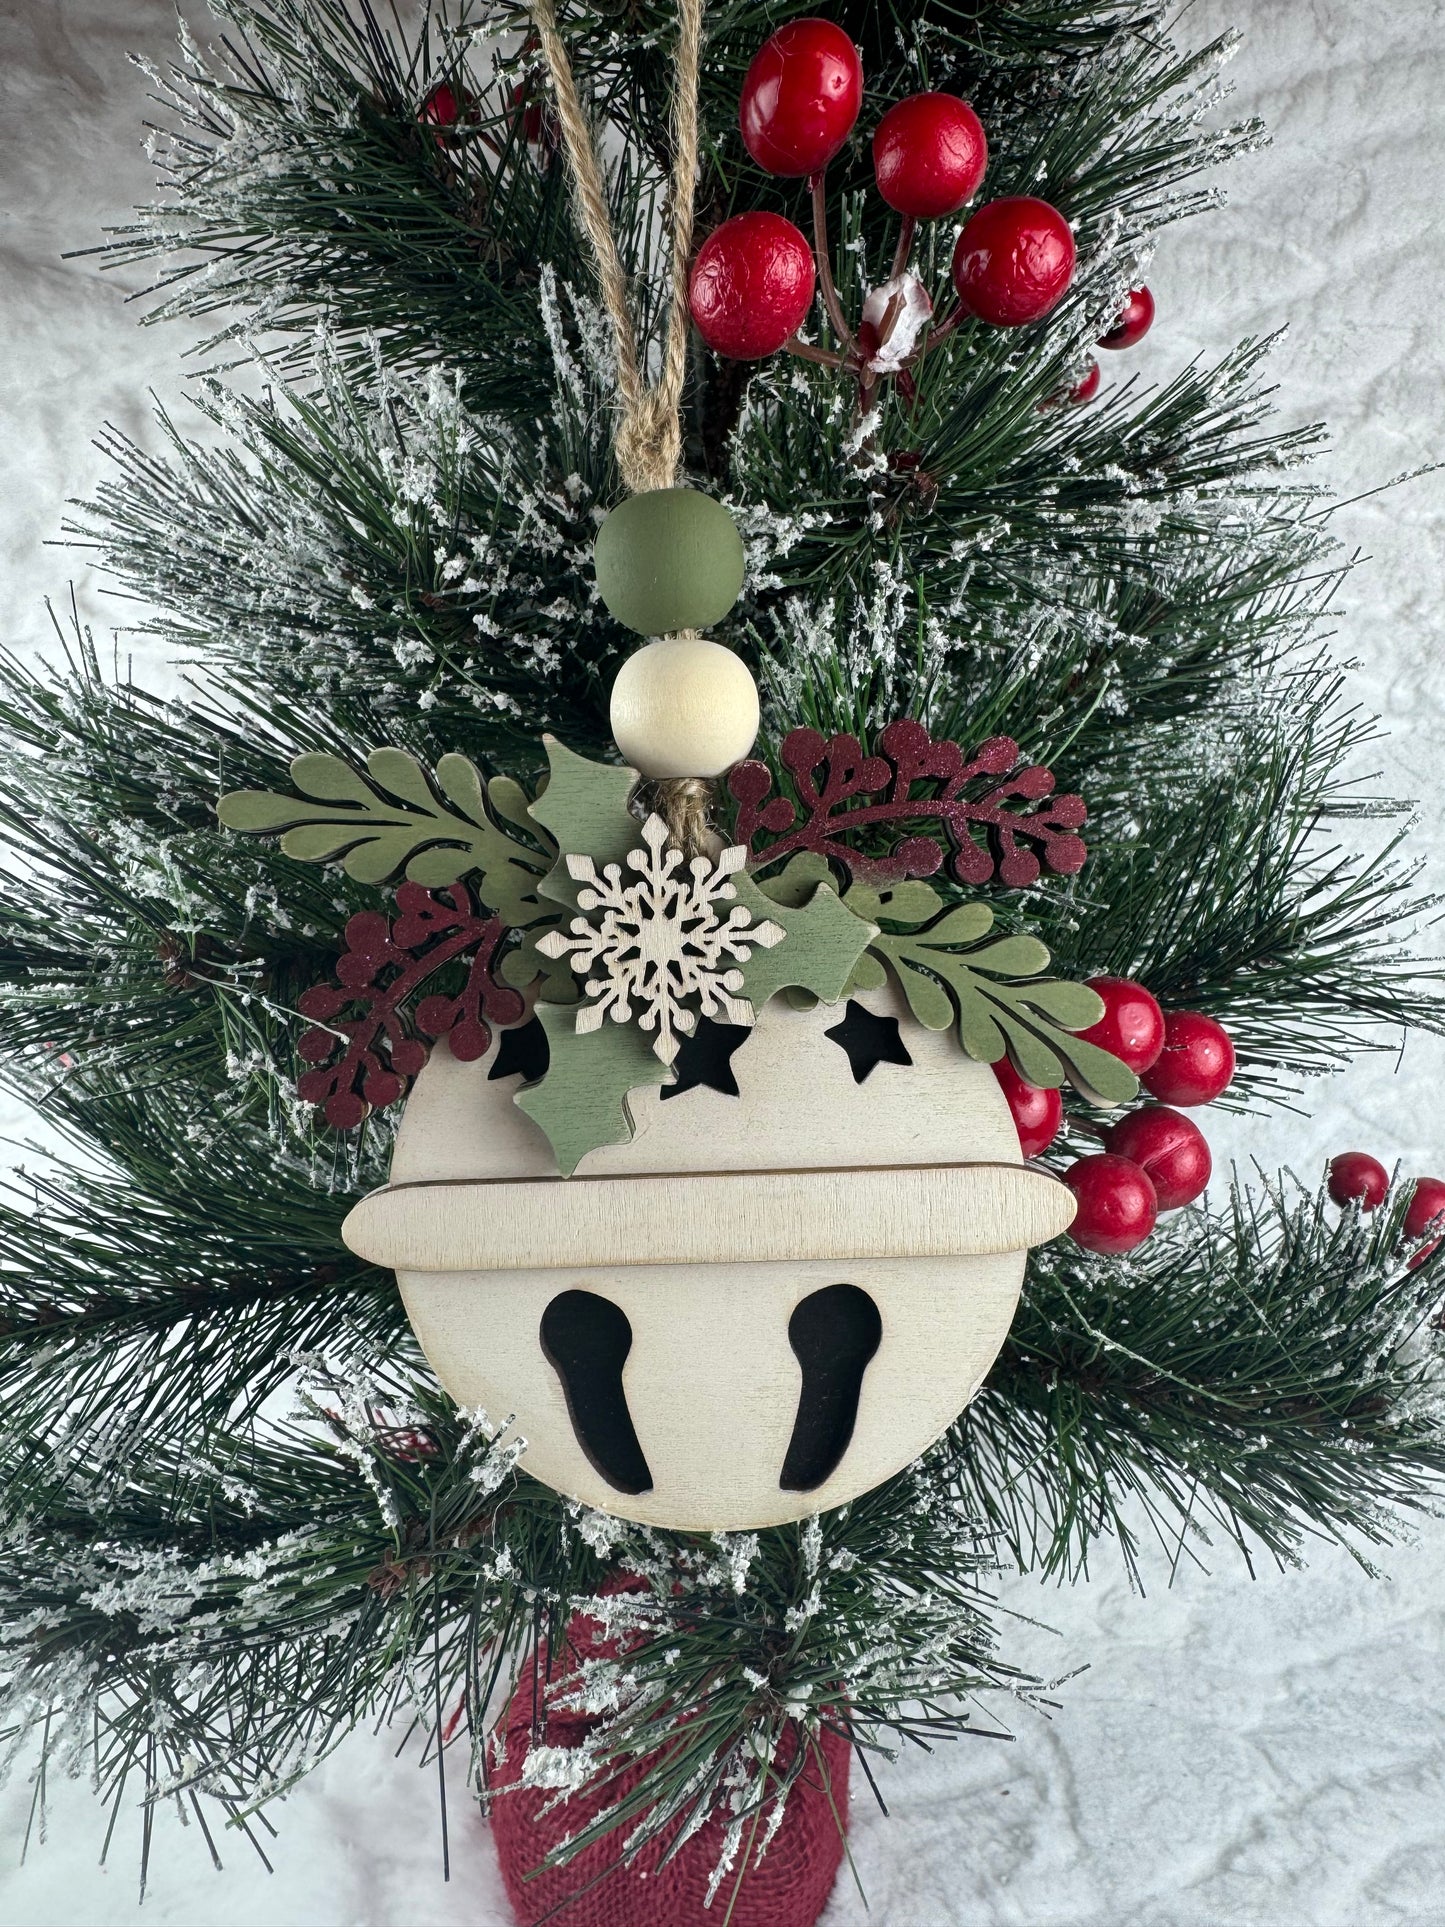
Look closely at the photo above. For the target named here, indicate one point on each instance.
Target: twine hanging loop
(649, 435)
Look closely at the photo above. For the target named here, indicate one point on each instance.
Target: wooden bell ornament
(780, 1291)
(789, 1282)
(761, 1307)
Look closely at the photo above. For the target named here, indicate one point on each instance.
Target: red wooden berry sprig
(372, 1029)
(1155, 1159)
(754, 278)
(913, 782)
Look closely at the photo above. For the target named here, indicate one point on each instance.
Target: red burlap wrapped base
(789, 1889)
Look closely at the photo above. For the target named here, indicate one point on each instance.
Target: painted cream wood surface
(711, 1218)
(711, 1381)
(684, 706)
(807, 1168)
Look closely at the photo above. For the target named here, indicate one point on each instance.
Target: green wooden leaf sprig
(951, 972)
(398, 820)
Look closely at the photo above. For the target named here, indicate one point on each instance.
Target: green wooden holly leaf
(524, 963)
(397, 819)
(906, 902)
(584, 810)
(581, 1102)
(822, 944)
(795, 883)
(1001, 1004)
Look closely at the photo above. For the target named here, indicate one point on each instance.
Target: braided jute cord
(649, 436)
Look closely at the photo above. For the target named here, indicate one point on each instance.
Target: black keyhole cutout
(586, 1340)
(834, 1334)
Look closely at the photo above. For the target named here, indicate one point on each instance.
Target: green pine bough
(391, 546)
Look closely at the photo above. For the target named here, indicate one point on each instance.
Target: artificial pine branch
(1266, 1375)
(392, 547)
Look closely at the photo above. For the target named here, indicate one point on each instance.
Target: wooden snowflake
(656, 946)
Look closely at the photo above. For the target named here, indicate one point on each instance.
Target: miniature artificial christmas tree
(389, 575)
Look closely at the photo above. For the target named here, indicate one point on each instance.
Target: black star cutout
(869, 1040)
(523, 1052)
(707, 1058)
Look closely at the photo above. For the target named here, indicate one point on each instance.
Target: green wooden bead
(667, 560)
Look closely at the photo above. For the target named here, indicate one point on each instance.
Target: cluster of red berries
(754, 278)
(454, 113)
(1357, 1178)
(1135, 319)
(1154, 1159)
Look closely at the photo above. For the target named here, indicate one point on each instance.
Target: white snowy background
(1268, 1752)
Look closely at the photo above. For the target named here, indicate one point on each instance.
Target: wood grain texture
(708, 1229)
(711, 1381)
(711, 1218)
(799, 1109)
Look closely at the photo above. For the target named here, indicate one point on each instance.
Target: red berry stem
(805, 351)
(823, 251)
(945, 327)
(903, 253)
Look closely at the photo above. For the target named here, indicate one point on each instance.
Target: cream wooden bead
(684, 706)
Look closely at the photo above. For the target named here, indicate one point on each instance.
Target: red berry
(532, 118)
(1117, 1204)
(1136, 317)
(1355, 1174)
(447, 105)
(1089, 386)
(801, 97)
(752, 285)
(1196, 1063)
(1169, 1148)
(1037, 1114)
(1132, 1026)
(1013, 261)
(929, 154)
(1427, 1207)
